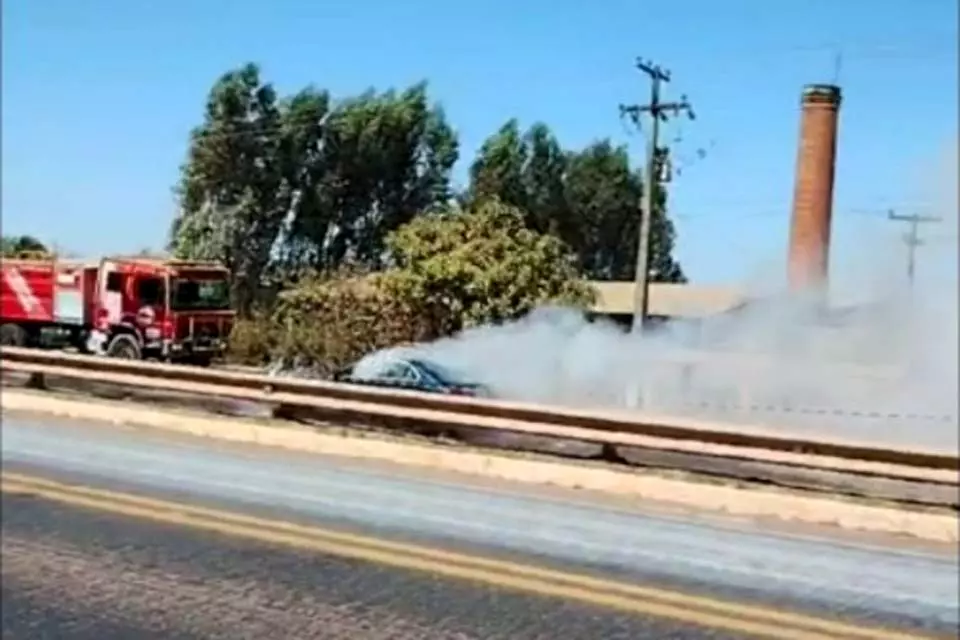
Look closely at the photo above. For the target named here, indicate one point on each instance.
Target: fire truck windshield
(195, 294)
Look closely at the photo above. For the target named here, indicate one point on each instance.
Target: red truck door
(110, 288)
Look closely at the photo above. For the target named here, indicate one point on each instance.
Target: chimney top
(826, 94)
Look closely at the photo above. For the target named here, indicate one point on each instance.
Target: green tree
(497, 171)
(235, 189)
(603, 194)
(385, 158)
(305, 117)
(588, 198)
(543, 182)
(12, 246)
(465, 268)
(523, 170)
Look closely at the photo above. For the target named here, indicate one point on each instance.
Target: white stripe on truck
(18, 284)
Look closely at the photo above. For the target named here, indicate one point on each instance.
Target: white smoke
(880, 366)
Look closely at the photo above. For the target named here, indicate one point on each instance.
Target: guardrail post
(36, 381)
(284, 412)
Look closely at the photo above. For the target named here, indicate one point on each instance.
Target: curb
(732, 500)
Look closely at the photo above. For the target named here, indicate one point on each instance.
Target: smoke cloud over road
(880, 365)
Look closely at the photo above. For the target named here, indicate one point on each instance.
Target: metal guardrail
(630, 429)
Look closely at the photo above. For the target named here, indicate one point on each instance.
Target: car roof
(442, 371)
(402, 354)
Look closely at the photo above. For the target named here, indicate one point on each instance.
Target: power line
(837, 66)
(741, 209)
(932, 45)
(657, 159)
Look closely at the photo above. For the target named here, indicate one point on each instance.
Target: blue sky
(99, 95)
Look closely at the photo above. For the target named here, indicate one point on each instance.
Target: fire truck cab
(169, 310)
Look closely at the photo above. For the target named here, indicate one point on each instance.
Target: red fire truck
(134, 308)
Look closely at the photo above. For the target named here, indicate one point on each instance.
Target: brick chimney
(808, 259)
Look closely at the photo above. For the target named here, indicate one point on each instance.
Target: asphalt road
(75, 572)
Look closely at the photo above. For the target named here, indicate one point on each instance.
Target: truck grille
(203, 331)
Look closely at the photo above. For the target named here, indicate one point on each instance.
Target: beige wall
(670, 300)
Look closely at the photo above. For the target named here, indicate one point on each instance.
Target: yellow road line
(740, 618)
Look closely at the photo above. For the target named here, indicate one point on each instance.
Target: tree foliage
(273, 186)
(383, 159)
(235, 188)
(589, 198)
(465, 268)
(14, 246)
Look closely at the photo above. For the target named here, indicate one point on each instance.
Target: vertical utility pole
(658, 112)
(912, 238)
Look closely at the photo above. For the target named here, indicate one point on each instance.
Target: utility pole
(656, 156)
(912, 238)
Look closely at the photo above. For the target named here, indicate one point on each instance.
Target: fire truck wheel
(13, 335)
(124, 346)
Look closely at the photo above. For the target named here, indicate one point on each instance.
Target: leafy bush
(451, 270)
(468, 268)
(253, 340)
(325, 323)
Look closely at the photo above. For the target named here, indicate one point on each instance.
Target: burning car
(410, 371)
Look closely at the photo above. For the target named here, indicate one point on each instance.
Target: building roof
(668, 300)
